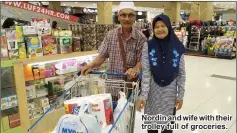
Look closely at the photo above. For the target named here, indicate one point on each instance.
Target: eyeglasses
(124, 16)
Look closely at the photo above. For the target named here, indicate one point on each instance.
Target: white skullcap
(124, 5)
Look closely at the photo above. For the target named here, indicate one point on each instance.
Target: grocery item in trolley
(100, 106)
(82, 123)
(73, 105)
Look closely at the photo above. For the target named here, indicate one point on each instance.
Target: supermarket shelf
(10, 63)
(14, 130)
(55, 57)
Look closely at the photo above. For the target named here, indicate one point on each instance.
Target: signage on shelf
(41, 10)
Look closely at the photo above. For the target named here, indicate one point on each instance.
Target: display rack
(18, 68)
(194, 40)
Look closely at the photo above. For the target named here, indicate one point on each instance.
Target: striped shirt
(132, 46)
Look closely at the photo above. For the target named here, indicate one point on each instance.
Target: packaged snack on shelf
(28, 73)
(13, 104)
(13, 54)
(30, 90)
(11, 34)
(19, 34)
(41, 89)
(12, 98)
(22, 50)
(44, 102)
(49, 45)
(55, 87)
(4, 50)
(65, 45)
(76, 44)
(29, 30)
(34, 47)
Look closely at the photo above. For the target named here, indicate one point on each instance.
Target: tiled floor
(208, 95)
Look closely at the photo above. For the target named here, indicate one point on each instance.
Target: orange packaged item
(36, 73)
(28, 73)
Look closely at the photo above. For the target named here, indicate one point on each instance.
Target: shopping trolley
(82, 86)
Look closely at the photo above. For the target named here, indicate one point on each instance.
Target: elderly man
(123, 46)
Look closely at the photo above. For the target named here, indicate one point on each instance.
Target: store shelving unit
(18, 68)
(194, 40)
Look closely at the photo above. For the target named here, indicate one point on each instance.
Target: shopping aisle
(209, 95)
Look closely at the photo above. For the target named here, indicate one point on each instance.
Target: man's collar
(133, 34)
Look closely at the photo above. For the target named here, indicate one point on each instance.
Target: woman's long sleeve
(181, 79)
(146, 73)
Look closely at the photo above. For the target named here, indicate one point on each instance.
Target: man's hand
(179, 104)
(86, 69)
(132, 73)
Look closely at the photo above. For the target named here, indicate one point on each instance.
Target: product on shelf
(55, 87)
(49, 45)
(34, 47)
(29, 30)
(12, 43)
(28, 73)
(42, 26)
(14, 120)
(30, 90)
(65, 45)
(19, 34)
(76, 44)
(22, 50)
(4, 50)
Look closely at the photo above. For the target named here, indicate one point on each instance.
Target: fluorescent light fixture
(139, 13)
(64, 4)
(75, 2)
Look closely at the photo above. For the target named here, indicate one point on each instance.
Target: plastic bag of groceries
(123, 120)
(82, 123)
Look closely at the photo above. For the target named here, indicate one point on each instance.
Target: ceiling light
(64, 4)
(75, 2)
(221, 5)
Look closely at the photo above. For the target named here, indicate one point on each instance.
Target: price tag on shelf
(8, 63)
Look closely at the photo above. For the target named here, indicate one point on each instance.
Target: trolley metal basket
(83, 86)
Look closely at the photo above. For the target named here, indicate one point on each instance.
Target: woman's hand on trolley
(140, 104)
(179, 104)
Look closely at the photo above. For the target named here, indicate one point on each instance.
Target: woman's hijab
(164, 54)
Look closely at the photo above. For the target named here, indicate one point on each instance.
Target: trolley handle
(109, 74)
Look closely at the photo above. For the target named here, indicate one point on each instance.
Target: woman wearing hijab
(163, 72)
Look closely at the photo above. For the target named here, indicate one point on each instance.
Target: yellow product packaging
(19, 34)
(22, 50)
